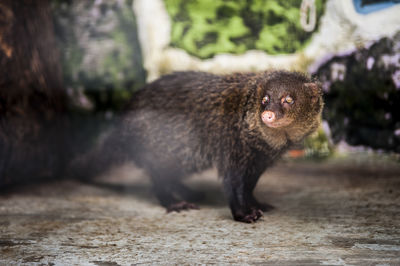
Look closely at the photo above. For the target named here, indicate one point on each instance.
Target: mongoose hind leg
(171, 193)
(170, 200)
(187, 193)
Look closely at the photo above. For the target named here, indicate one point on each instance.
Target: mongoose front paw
(250, 216)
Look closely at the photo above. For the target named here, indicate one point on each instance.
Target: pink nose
(268, 116)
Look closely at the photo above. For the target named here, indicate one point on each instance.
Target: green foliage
(208, 27)
(100, 50)
(317, 146)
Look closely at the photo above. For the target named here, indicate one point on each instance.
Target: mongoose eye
(265, 100)
(289, 100)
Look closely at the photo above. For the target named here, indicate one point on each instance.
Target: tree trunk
(32, 97)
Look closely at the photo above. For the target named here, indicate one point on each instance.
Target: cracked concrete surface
(334, 212)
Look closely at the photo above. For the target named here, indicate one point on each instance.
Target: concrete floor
(329, 213)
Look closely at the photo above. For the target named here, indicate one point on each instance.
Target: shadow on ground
(333, 213)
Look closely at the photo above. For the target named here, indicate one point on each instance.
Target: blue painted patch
(373, 6)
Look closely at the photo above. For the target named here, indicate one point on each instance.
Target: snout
(268, 117)
(272, 120)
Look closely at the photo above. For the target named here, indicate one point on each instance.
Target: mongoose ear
(315, 91)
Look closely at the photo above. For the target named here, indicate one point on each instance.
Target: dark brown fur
(186, 122)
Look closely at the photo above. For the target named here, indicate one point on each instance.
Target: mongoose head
(288, 101)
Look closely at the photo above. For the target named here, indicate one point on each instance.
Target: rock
(362, 93)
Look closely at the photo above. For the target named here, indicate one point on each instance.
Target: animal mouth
(278, 124)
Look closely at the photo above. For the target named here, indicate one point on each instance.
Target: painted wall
(111, 47)
(352, 48)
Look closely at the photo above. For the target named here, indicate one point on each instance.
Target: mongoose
(241, 123)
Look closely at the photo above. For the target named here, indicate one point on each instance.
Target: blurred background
(67, 67)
